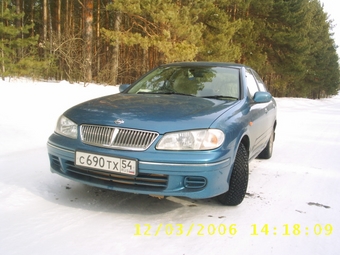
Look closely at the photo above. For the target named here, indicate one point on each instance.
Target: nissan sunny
(183, 129)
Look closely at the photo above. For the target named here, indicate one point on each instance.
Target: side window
(251, 83)
(260, 82)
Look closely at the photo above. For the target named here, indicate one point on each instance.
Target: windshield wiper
(166, 92)
(175, 93)
(221, 97)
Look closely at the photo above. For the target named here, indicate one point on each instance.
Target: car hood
(160, 113)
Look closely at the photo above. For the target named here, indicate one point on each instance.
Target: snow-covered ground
(292, 205)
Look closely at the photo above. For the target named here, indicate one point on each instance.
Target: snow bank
(291, 207)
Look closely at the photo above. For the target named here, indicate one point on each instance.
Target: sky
(331, 7)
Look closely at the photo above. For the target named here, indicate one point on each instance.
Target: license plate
(107, 163)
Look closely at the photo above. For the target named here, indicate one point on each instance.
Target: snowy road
(292, 204)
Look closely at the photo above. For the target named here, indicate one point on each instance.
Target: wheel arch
(246, 142)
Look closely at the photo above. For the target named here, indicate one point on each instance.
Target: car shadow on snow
(82, 196)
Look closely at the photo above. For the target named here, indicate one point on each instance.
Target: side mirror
(262, 97)
(123, 87)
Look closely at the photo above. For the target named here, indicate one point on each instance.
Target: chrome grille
(118, 138)
(97, 135)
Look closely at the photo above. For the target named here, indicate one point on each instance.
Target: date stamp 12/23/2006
(232, 230)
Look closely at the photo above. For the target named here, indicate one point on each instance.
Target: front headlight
(203, 139)
(66, 127)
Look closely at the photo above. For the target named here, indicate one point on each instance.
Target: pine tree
(164, 25)
(14, 40)
(322, 77)
(218, 39)
(288, 45)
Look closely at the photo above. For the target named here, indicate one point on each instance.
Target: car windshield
(209, 82)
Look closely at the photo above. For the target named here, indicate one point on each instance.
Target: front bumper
(194, 180)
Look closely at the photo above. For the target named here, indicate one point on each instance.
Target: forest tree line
(289, 42)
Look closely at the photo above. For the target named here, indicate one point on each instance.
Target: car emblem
(119, 121)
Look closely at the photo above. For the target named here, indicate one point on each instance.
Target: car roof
(205, 63)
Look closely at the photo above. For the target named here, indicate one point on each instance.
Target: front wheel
(239, 179)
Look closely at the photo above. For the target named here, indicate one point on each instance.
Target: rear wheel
(239, 179)
(268, 151)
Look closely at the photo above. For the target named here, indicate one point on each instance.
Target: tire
(238, 181)
(268, 150)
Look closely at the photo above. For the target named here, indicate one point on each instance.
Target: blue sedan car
(183, 129)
